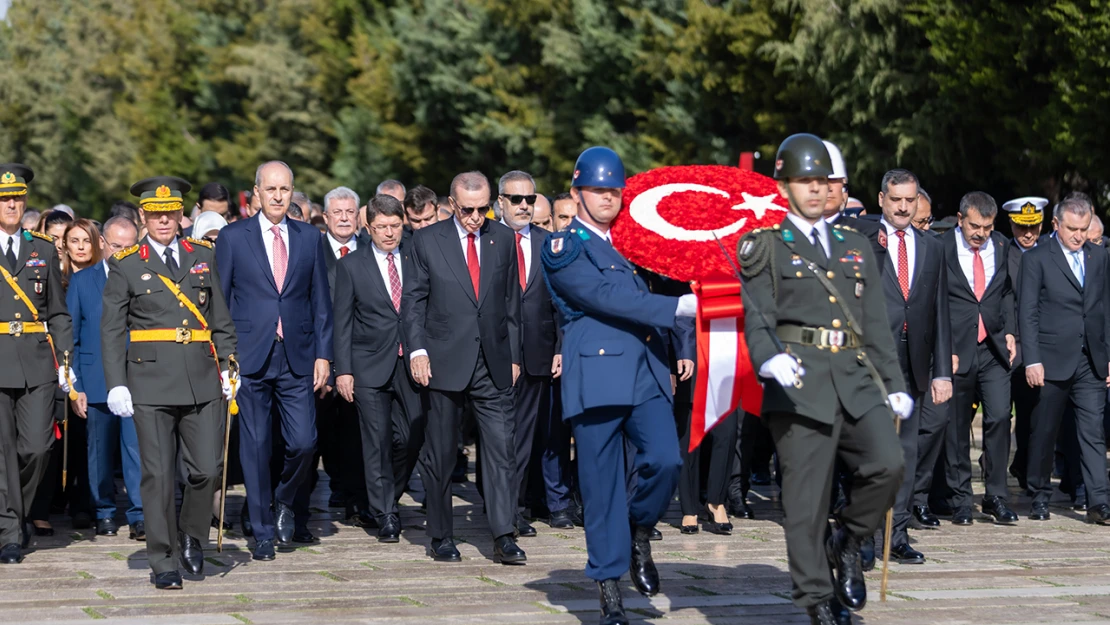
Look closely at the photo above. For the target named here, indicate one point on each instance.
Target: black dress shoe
(997, 508)
(925, 517)
(740, 509)
(506, 551)
(561, 520)
(47, 531)
(390, 530)
(524, 529)
(655, 534)
(962, 516)
(612, 607)
(867, 553)
(829, 613)
(138, 531)
(106, 527)
(245, 522)
(642, 568)
(192, 555)
(264, 551)
(303, 536)
(843, 549)
(11, 553)
(360, 517)
(905, 554)
(170, 580)
(1039, 512)
(444, 550)
(82, 521)
(216, 523)
(284, 525)
(1099, 514)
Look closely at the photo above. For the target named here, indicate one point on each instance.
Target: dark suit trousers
(1088, 393)
(751, 434)
(26, 430)
(531, 405)
(275, 386)
(339, 445)
(987, 382)
(200, 431)
(908, 436)
(932, 425)
(492, 409)
(1023, 398)
(808, 452)
(392, 421)
(551, 472)
(715, 455)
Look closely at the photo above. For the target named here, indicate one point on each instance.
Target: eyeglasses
(466, 211)
(924, 221)
(517, 199)
(386, 227)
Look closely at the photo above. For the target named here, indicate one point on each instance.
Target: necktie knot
(901, 234)
(343, 251)
(276, 229)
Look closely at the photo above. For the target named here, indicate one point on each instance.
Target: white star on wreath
(758, 205)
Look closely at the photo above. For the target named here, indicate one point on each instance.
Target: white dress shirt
(351, 245)
(1070, 257)
(160, 250)
(465, 243)
(526, 245)
(806, 230)
(967, 259)
(104, 263)
(268, 236)
(382, 259)
(892, 248)
(11, 239)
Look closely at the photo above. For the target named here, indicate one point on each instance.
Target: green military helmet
(802, 156)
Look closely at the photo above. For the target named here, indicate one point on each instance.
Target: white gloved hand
(783, 368)
(225, 382)
(63, 381)
(687, 306)
(119, 402)
(901, 404)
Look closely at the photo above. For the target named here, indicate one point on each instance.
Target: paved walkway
(1050, 572)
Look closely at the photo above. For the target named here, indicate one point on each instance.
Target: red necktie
(281, 262)
(903, 264)
(472, 262)
(521, 267)
(979, 277)
(394, 287)
(343, 251)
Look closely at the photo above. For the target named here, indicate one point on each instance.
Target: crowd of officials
(380, 337)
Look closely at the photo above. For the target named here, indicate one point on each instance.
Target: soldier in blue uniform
(615, 383)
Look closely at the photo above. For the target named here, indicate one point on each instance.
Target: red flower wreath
(670, 215)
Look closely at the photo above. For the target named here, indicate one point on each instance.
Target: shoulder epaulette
(207, 244)
(122, 254)
(561, 248)
(44, 237)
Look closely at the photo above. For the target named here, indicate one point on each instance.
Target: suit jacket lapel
(1065, 266)
(919, 259)
(295, 249)
(952, 252)
(368, 260)
(258, 249)
(451, 249)
(999, 252)
(803, 242)
(536, 239)
(155, 263)
(185, 260)
(487, 256)
(22, 257)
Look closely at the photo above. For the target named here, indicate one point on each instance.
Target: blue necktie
(1077, 267)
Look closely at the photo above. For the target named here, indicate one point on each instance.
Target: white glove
(901, 404)
(63, 381)
(225, 382)
(783, 368)
(687, 306)
(119, 402)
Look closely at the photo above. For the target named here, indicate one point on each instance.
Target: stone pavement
(1050, 572)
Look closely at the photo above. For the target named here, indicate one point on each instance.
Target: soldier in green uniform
(819, 345)
(164, 296)
(35, 332)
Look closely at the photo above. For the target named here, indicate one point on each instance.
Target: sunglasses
(517, 199)
(466, 211)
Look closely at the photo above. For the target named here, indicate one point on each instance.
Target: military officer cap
(1026, 211)
(14, 178)
(161, 194)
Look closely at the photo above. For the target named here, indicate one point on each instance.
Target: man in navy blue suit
(274, 276)
(107, 432)
(616, 382)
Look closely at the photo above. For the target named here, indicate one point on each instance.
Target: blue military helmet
(598, 167)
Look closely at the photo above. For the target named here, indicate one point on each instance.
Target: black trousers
(1087, 393)
(339, 445)
(988, 383)
(908, 437)
(933, 423)
(1023, 397)
(492, 408)
(713, 460)
(391, 420)
(26, 432)
(531, 405)
(753, 442)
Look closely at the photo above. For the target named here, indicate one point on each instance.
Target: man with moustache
(165, 326)
(565, 211)
(981, 302)
(33, 305)
(461, 318)
(1026, 219)
(370, 365)
(1064, 326)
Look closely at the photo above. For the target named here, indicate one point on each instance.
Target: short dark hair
(295, 211)
(981, 202)
(382, 204)
(214, 192)
(123, 208)
(898, 176)
(562, 196)
(418, 197)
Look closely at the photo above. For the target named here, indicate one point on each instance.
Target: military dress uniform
(35, 332)
(838, 411)
(167, 334)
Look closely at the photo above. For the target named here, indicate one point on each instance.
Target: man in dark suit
(981, 302)
(337, 427)
(461, 312)
(516, 193)
(274, 275)
(107, 432)
(915, 283)
(1026, 219)
(1064, 328)
(370, 367)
